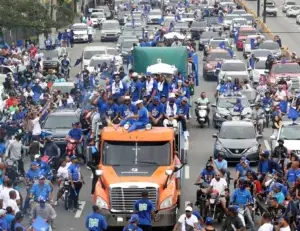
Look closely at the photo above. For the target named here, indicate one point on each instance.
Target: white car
(237, 22)
(247, 44)
(234, 66)
(298, 19)
(238, 11)
(288, 4)
(97, 18)
(90, 51)
(271, 8)
(293, 11)
(259, 68)
(271, 46)
(187, 17)
(81, 32)
(154, 16)
(228, 20)
(290, 133)
(260, 53)
(99, 60)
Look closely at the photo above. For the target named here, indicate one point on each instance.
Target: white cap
(172, 95)
(134, 74)
(138, 102)
(2, 212)
(126, 97)
(189, 208)
(228, 78)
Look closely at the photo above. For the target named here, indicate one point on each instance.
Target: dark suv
(59, 123)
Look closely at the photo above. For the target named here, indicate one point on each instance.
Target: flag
(252, 43)
(219, 65)
(40, 224)
(171, 26)
(195, 60)
(222, 45)
(293, 114)
(230, 51)
(283, 105)
(78, 61)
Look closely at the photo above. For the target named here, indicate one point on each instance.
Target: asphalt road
(200, 149)
(284, 27)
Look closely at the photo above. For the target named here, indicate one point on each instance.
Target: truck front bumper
(164, 218)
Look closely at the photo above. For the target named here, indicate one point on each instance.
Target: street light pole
(265, 13)
(258, 8)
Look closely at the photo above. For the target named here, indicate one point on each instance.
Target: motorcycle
(65, 72)
(215, 209)
(202, 114)
(268, 114)
(242, 213)
(258, 127)
(51, 174)
(67, 188)
(202, 197)
(71, 147)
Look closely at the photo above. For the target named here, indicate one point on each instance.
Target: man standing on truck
(144, 208)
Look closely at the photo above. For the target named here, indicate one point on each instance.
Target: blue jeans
(134, 124)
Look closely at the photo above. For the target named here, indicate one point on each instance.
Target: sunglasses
(188, 211)
(218, 175)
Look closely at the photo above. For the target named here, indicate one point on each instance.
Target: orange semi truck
(132, 162)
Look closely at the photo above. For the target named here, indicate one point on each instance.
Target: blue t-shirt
(126, 110)
(292, 175)
(156, 110)
(110, 110)
(3, 224)
(279, 196)
(242, 170)
(2, 149)
(119, 90)
(143, 207)
(9, 218)
(135, 88)
(74, 171)
(221, 164)
(265, 167)
(95, 222)
(32, 174)
(100, 102)
(183, 109)
(37, 190)
(207, 174)
(75, 133)
(19, 225)
(143, 115)
(241, 197)
(132, 227)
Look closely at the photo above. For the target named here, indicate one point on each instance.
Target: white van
(89, 52)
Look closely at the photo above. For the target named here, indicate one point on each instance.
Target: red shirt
(11, 102)
(257, 186)
(32, 52)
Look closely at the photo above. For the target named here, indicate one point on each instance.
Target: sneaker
(56, 203)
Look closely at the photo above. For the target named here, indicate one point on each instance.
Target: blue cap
(235, 208)
(156, 98)
(148, 74)
(74, 157)
(163, 96)
(42, 199)
(209, 221)
(278, 185)
(243, 158)
(133, 218)
(266, 153)
(246, 162)
(34, 163)
(197, 214)
(42, 177)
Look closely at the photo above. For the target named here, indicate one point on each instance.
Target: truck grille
(123, 199)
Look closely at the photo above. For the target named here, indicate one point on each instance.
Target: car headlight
(101, 203)
(167, 203)
(252, 149)
(219, 147)
(220, 115)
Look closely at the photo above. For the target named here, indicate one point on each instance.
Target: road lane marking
(187, 172)
(267, 145)
(79, 211)
(92, 176)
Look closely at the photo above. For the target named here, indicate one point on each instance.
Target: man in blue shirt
(109, 111)
(3, 223)
(33, 172)
(95, 221)
(183, 114)
(292, 173)
(76, 134)
(265, 165)
(138, 121)
(135, 89)
(41, 189)
(127, 108)
(133, 224)
(242, 197)
(144, 208)
(207, 174)
(156, 112)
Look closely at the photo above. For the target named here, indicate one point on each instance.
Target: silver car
(110, 30)
(271, 46)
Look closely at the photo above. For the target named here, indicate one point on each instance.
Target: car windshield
(233, 67)
(156, 13)
(60, 121)
(98, 15)
(50, 54)
(214, 56)
(237, 132)
(90, 54)
(260, 65)
(208, 35)
(247, 32)
(136, 153)
(290, 132)
(198, 24)
(216, 43)
(128, 43)
(259, 53)
(291, 3)
(112, 51)
(110, 26)
(96, 62)
(230, 102)
(76, 28)
(270, 5)
(286, 68)
(231, 17)
(269, 46)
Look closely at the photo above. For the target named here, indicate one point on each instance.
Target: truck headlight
(101, 203)
(167, 203)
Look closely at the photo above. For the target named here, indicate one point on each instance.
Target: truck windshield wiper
(147, 162)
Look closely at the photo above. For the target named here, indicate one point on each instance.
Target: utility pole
(265, 13)
(258, 8)
(53, 7)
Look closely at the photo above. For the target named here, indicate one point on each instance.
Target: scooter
(268, 114)
(67, 189)
(65, 73)
(202, 114)
(71, 147)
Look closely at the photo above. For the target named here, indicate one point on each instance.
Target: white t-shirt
(13, 204)
(285, 228)
(266, 227)
(219, 185)
(190, 221)
(36, 127)
(4, 195)
(63, 172)
(281, 94)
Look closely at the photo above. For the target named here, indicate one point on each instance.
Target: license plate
(202, 119)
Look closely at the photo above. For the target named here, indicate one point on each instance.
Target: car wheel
(275, 15)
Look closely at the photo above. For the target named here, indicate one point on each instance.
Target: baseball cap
(246, 162)
(134, 74)
(2, 212)
(74, 157)
(243, 158)
(138, 102)
(189, 209)
(208, 221)
(42, 177)
(133, 218)
(34, 163)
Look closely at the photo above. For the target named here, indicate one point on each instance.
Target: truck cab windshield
(124, 153)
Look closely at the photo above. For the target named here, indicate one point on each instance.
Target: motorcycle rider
(280, 152)
(202, 101)
(258, 117)
(233, 221)
(76, 134)
(242, 197)
(267, 100)
(266, 223)
(261, 90)
(241, 171)
(220, 184)
(52, 150)
(207, 174)
(65, 64)
(62, 174)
